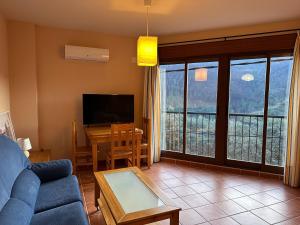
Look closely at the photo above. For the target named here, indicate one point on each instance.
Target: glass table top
(132, 194)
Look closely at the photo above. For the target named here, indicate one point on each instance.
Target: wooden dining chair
(145, 145)
(122, 142)
(81, 156)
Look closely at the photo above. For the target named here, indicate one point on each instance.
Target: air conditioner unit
(86, 53)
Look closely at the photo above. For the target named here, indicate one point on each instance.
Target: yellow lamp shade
(201, 74)
(147, 51)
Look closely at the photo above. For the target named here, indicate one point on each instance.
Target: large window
(202, 81)
(172, 106)
(280, 77)
(246, 109)
(225, 101)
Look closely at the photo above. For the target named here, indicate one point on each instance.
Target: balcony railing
(244, 141)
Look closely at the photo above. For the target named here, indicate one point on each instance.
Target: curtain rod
(233, 37)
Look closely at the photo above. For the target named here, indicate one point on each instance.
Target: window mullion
(267, 88)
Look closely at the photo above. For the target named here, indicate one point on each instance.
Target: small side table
(40, 156)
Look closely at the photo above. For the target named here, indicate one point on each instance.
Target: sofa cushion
(52, 170)
(70, 214)
(26, 187)
(15, 212)
(4, 195)
(57, 193)
(13, 161)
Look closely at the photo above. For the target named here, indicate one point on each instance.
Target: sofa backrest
(12, 163)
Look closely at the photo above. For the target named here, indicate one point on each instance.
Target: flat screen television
(107, 109)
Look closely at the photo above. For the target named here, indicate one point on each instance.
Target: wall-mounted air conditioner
(86, 53)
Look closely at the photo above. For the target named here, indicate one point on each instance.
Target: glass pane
(131, 192)
(172, 103)
(201, 108)
(280, 76)
(246, 109)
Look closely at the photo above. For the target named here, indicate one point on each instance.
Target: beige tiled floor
(213, 197)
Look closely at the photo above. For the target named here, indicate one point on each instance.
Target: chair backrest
(74, 136)
(122, 137)
(146, 130)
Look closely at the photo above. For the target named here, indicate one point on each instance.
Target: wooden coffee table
(129, 197)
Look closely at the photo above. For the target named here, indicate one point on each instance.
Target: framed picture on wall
(6, 126)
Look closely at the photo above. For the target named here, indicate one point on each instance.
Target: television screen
(107, 109)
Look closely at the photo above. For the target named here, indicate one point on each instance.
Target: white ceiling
(127, 17)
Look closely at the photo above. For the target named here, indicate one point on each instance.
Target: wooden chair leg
(148, 157)
(74, 169)
(107, 163)
(112, 163)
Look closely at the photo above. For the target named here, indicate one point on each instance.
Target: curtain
(151, 109)
(292, 166)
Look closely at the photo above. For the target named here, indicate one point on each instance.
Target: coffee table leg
(97, 194)
(174, 220)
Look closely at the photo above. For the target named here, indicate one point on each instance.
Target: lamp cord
(147, 19)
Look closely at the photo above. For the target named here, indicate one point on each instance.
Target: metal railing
(244, 139)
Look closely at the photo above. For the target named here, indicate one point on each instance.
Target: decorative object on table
(147, 45)
(25, 145)
(6, 126)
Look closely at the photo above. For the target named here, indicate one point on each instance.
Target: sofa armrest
(52, 170)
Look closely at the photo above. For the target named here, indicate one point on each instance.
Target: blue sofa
(37, 193)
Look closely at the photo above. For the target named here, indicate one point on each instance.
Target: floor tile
(246, 189)
(165, 176)
(287, 209)
(264, 198)
(183, 191)
(161, 184)
(168, 192)
(281, 194)
(214, 196)
(200, 187)
(224, 221)
(232, 193)
(248, 218)
(210, 212)
(174, 182)
(230, 207)
(248, 203)
(269, 215)
(195, 200)
(189, 180)
(180, 203)
(190, 217)
(293, 221)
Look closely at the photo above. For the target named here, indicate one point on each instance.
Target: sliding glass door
(279, 87)
(228, 111)
(172, 106)
(202, 85)
(246, 109)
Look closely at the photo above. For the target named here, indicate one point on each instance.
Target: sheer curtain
(151, 109)
(292, 166)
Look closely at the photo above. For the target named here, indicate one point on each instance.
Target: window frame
(279, 45)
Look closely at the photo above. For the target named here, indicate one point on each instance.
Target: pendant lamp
(147, 45)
